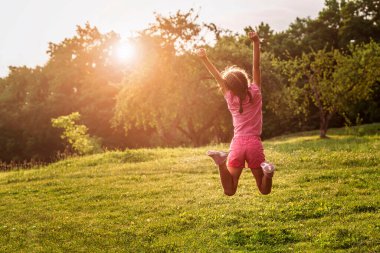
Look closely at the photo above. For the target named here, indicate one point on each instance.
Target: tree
(339, 24)
(23, 113)
(80, 71)
(332, 81)
(76, 78)
(265, 34)
(360, 21)
(360, 72)
(167, 91)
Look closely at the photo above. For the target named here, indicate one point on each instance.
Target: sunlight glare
(125, 51)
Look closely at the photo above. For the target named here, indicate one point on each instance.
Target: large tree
(80, 71)
(77, 77)
(167, 91)
(338, 24)
(23, 114)
(332, 81)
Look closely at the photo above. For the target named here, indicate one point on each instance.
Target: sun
(125, 51)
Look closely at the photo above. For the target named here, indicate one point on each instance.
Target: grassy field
(325, 198)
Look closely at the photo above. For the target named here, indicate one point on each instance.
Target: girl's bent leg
(229, 178)
(263, 181)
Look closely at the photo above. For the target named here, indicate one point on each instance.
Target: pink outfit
(250, 121)
(246, 144)
(246, 149)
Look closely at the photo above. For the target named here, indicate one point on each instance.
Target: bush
(76, 135)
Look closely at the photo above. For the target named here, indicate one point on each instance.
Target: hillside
(325, 198)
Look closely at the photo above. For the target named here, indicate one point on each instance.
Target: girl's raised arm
(212, 69)
(256, 72)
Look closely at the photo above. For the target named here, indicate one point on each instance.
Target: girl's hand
(201, 53)
(254, 37)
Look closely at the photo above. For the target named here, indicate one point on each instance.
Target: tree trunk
(196, 135)
(325, 118)
(323, 132)
(322, 123)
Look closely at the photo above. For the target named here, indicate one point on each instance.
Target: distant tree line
(318, 73)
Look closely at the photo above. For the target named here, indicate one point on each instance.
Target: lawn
(325, 198)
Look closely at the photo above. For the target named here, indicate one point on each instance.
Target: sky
(27, 26)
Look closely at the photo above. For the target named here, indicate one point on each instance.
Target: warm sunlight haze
(190, 126)
(125, 51)
(43, 21)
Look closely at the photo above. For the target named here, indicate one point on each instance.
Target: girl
(244, 102)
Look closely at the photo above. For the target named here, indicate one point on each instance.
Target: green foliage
(325, 198)
(166, 98)
(76, 78)
(359, 21)
(23, 114)
(168, 90)
(338, 25)
(80, 72)
(334, 82)
(76, 135)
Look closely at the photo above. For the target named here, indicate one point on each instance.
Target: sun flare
(125, 51)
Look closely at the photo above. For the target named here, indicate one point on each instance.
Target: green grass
(325, 198)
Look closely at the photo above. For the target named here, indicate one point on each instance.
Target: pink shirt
(251, 120)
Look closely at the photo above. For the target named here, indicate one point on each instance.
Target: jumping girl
(244, 101)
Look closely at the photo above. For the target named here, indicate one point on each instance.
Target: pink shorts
(246, 149)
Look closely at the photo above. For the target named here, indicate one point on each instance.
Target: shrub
(76, 135)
